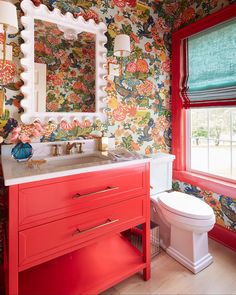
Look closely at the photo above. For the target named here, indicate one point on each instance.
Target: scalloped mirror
(64, 65)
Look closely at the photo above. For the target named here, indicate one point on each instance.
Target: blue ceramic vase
(22, 152)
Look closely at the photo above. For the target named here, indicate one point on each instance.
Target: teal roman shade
(210, 75)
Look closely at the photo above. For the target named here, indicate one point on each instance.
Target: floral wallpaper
(224, 207)
(70, 67)
(138, 101)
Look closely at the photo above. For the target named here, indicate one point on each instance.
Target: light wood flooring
(170, 277)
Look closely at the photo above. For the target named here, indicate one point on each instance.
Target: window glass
(213, 141)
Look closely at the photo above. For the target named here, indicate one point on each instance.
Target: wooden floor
(170, 277)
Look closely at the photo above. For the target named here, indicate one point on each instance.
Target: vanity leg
(146, 251)
(12, 287)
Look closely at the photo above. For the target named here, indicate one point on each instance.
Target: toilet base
(195, 266)
(190, 249)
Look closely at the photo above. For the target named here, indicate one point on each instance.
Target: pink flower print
(131, 67)
(166, 66)
(119, 114)
(86, 124)
(38, 126)
(76, 123)
(24, 138)
(161, 25)
(53, 106)
(64, 125)
(120, 3)
(48, 50)
(145, 88)
(13, 137)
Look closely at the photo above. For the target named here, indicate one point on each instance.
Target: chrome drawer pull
(109, 221)
(109, 188)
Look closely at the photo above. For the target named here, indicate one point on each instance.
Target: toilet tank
(161, 172)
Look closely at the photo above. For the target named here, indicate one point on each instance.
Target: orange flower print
(145, 88)
(135, 146)
(119, 114)
(55, 80)
(148, 47)
(91, 14)
(131, 110)
(131, 67)
(187, 15)
(80, 86)
(118, 18)
(39, 46)
(142, 66)
(148, 150)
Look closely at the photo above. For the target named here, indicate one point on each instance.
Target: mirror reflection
(64, 61)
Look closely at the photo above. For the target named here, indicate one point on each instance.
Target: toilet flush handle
(151, 187)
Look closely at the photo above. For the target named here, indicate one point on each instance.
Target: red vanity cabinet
(64, 234)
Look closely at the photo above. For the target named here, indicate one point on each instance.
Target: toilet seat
(185, 205)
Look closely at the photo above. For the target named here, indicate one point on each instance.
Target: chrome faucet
(69, 147)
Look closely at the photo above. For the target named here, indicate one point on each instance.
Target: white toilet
(184, 220)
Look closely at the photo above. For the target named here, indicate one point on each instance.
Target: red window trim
(178, 111)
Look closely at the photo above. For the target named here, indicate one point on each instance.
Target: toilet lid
(185, 205)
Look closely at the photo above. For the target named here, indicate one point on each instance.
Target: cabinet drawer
(45, 201)
(53, 239)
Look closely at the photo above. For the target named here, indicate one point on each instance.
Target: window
(211, 141)
(203, 118)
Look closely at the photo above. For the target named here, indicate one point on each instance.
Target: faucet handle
(80, 151)
(55, 151)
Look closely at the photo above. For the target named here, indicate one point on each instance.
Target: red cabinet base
(89, 270)
(77, 249)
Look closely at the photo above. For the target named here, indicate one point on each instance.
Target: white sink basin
(73, 161)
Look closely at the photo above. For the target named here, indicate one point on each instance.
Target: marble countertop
(18, 173)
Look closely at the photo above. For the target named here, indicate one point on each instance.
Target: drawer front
(46, 201)
(68, 234)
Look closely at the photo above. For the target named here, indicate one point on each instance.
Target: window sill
(222, 187)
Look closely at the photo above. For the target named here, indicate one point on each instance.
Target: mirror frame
(32, 12)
